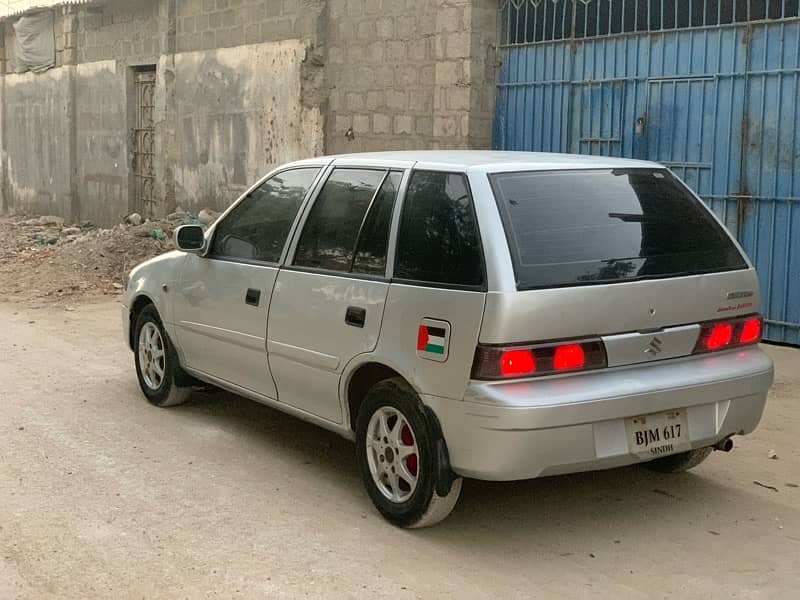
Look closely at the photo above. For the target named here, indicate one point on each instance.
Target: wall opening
(143, 197)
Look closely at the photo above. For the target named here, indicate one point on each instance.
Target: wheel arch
(140, 301)
(358, 381)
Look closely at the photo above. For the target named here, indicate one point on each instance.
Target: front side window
(605, 226)
(348, 227)
(438, 240)
(257, 228)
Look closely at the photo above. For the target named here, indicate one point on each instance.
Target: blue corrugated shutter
(707, 87)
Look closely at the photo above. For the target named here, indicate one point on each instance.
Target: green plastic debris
(40, 240)
(158, 234)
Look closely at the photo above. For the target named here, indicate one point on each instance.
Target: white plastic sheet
(34, 45)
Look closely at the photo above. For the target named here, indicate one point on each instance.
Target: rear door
(329, 299)
(222, 300)
(621, 253)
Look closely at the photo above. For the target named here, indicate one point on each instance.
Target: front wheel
(400, 455)
(157, 362)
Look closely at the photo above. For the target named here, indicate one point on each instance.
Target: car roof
(491, 160)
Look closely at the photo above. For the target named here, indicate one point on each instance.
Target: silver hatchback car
(459, 314)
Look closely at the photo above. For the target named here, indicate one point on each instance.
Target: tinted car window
(374, 239)
(438, 240)
(329, 236)
(582, 227)
(259, 225)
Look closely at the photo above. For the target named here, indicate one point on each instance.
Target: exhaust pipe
(725, 445)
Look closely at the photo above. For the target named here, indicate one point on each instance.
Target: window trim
(291, 254)
(364, 220)
(484, 285)
(212, 233)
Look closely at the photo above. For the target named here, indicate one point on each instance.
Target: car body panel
(406, 308)
(219, 334)
(153, 279)
(494, 430)
(594, 310)
(308, 340)
(560, 424)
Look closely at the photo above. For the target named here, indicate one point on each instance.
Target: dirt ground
(44, 260)
(104, 496)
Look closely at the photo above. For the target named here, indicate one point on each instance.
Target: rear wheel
(157, 362)
(400, 455)
(677, 463)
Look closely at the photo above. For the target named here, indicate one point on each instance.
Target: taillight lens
(719, 336)
(730, 333)
(517, 363)
(751, 331)
(507, 362)
(569, 356)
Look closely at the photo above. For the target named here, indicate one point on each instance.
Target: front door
(328, 303)
(222, 300)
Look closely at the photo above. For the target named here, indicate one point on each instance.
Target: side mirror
(190, 238)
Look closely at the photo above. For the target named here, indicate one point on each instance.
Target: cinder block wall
(242, 85)
(410, 74)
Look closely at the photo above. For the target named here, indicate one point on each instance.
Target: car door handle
(355, 316)
(252, 297)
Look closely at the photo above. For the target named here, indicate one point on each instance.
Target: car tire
(157, 366)
(402, 457)
(677, 463)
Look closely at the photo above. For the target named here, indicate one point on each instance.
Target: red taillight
(535, 360)
(569, 356)
(516, 363)
(751, 331)
(719, 336)
(731, 333)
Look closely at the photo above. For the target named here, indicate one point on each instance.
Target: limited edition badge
(433, 340)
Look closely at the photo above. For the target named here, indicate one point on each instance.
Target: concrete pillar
(166, 111)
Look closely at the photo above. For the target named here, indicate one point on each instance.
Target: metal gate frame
(754, 180)
(144, 142)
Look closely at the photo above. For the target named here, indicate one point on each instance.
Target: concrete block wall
(118, 30)
(242, 85)
(210, 24)
(402, 74)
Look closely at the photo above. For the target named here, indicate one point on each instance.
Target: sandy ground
(102, 495)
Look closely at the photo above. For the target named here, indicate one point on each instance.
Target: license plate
(659, 434)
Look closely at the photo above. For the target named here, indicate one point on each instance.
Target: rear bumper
(520, 430)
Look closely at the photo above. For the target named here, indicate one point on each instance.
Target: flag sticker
(433, 338)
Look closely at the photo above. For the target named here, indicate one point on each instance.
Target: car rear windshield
(568, 228)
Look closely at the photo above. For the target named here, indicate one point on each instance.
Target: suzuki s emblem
(654, 347)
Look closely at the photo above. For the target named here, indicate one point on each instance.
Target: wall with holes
(239, 113)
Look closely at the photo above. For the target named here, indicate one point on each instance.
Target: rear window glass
(582, 227)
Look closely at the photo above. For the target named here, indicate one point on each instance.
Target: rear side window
(438, 241)
(348, 226)
(257, 228)
(582, 227)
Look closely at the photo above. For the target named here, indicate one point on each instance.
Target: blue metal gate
(707, 87)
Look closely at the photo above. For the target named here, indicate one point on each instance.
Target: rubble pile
(45, 260)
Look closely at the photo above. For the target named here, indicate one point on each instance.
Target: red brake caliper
(408, 440)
